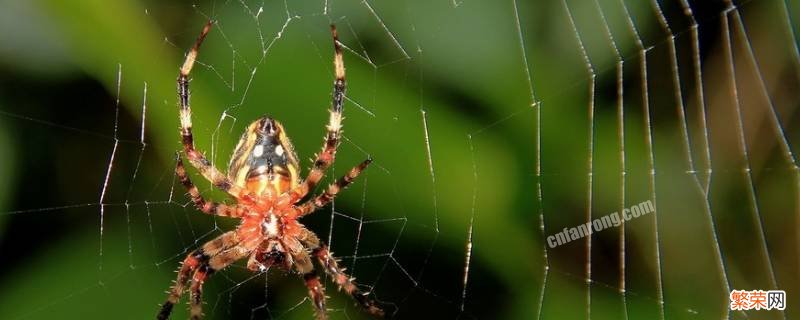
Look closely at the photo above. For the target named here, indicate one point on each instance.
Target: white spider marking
(186, 118)
(335, 122)
(279, 150)
(270, 226)
(258, 150)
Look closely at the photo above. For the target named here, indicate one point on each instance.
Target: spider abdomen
(264, 161)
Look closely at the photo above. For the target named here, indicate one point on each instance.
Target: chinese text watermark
(758, 300)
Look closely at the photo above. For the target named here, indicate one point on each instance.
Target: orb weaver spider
(263, 177)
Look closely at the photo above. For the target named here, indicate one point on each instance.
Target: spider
(263, 177)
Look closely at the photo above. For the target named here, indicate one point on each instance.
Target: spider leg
(333, 189)
(303, 265)
(196, 291)
(196, 158)
(345, 282)
(209, 207)
(334, 127)
(216, 263)
(308, 238)
(317, 293)
(193, 261)
(187, 267)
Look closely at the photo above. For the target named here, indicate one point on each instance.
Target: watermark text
(605, 222)
(758, 300)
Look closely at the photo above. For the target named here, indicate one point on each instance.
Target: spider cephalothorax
(264, 178)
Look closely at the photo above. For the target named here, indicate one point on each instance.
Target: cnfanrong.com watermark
(605, 222)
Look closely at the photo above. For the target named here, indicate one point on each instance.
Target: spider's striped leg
(187, 267)
(216, 263)
(333, 189)
(334, 127)
(340, 184)
(345, 282)
(196, 291)
(317, 293)
(304, 266)
(307, 238)
(196, 158)
(193, 261)
(209, 207)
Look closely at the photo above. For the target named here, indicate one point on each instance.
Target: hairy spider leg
(317, 293)
(209, 207)
(198, 258)
(334, 128)
(304, 266)
(216, 263)
(332, 190)
(196, 158)
(330, 264)
(345, 282)
(316, 290)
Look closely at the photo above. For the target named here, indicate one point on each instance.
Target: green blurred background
(493, 124)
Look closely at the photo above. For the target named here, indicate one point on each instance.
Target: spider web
(492, 126)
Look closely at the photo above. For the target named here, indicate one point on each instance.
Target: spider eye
(264, 157)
